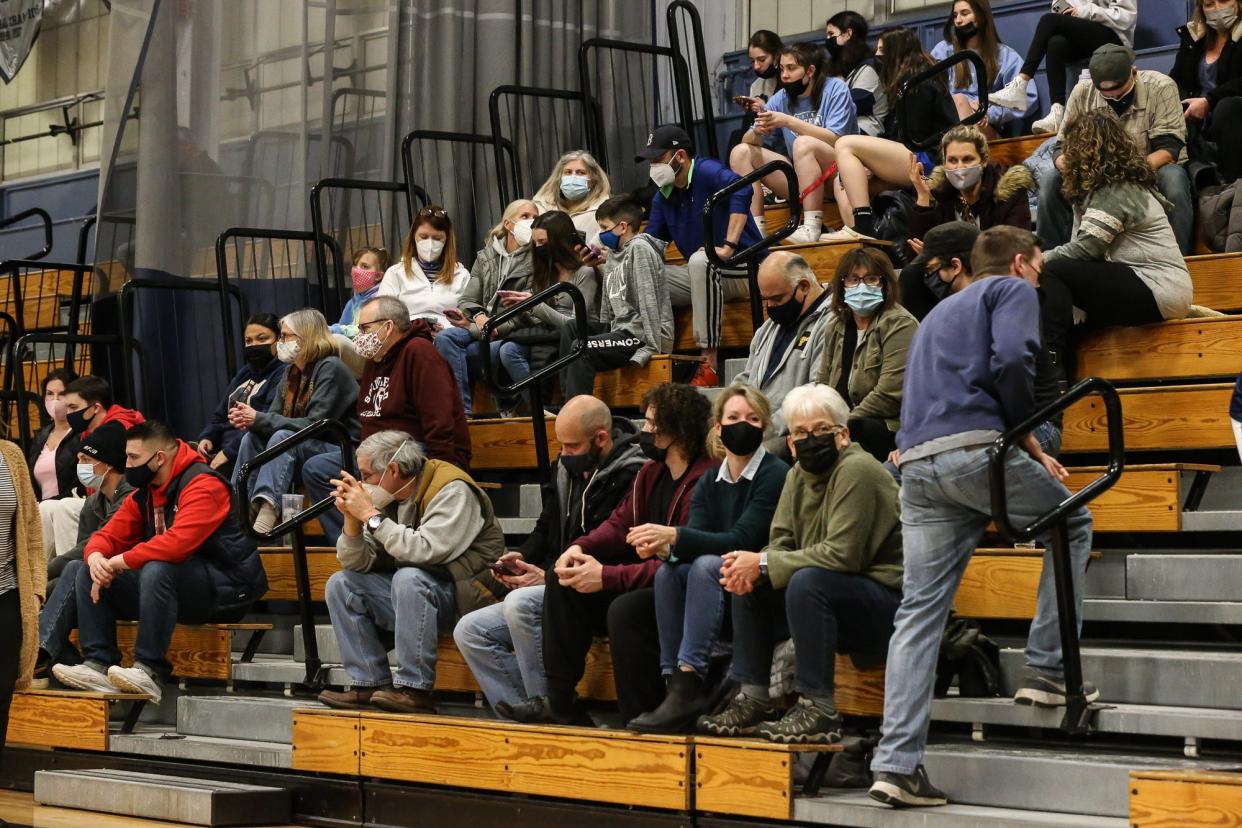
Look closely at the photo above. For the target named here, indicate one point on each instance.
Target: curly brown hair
(682, 413)
(1098, 152)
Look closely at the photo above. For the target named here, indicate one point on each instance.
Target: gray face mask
(965, 178)
(1222, 18)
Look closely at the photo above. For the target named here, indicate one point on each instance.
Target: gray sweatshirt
(797, 366)
(636, 299)
(451, 524)
(560, 311)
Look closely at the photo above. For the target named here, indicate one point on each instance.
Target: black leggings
(1224, 125)
(1063, 39)
(873, 435)
(10, 654)
(1109, 293)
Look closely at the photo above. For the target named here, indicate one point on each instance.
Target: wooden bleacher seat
(1216, 283)
(197, 651)
(1147, 498)
(823, 257)
(1185, 798)
(507, 444)
(1010, 151)
(1177, 350)
(747, 777)
(321, 563)
(736, 328)
(1201, 421)
(75, 719)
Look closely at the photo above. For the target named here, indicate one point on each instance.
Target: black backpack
(969, 656)
(891, 212)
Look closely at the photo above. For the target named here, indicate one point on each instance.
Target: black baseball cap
(949, 240)
(663, 139)
(106, 444)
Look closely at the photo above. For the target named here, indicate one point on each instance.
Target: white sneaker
(135, 680)
(1050, 123)
(1011, 96)
(83, 677)
(845, 234)
(805, 234)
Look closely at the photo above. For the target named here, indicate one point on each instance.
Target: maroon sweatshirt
(623, 569)
(412, 389)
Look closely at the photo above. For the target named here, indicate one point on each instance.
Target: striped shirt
(8, 534)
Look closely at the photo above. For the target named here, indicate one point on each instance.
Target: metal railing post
(925, 76)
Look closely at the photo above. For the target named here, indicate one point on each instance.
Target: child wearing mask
(365, 276)
(428, 278)
(576, 187)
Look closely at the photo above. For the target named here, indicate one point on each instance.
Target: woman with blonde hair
(731, 509)
(577, 185)
(316, 386)
(428, 278)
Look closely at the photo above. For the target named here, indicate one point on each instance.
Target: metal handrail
(981, 74)
(9, 221)
(504, 186)
(1078, 712)
(532, 381)
(700, 57)
(70, 341)
(493, 108)
(338, 434)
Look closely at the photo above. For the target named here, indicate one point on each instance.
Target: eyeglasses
(871, 280)
(821, 430)
(363, 327)
(291, 337)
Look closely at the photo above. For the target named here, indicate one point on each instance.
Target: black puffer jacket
(1185, 72)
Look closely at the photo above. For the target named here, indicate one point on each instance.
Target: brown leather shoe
(403, 700)
(353, 699)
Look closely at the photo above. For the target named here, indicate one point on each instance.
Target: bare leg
(887, 161)
(812, 158)
(745, 159)
(965, 106)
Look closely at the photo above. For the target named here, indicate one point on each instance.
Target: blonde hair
(317, 341)
(754, 398)
(550, 193)
(966, 135)
(515, 207)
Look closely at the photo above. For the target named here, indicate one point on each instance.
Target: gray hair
(394, 447)
(791, 267)
(808, 401)
(392, 309)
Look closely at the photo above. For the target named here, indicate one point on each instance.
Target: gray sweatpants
(702, 286)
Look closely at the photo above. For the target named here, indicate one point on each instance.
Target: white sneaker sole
(124, 685)
(71, 680)
(898, 797)
(1045, 698)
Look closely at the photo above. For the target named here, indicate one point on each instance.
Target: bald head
(584, 426)
(784, 276)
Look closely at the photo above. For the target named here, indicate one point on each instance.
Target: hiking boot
(681, 708)
(136, 680)
(1042, 691)
(802, 724)
(901, 790)
(354, 698)
(705, 377)
(540, 711)
(741, 718)
(83, 677)
(403, 700)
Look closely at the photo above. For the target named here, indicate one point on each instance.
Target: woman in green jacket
(865, 345)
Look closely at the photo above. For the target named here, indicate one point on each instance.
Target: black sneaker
(741, 718)
(1042, 691)
(539, 711)
(802, 724)
(912, 790)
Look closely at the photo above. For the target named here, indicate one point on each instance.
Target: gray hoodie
(797, 365)
(636, 298)
(496, 269)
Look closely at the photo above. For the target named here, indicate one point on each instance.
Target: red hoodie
(127, 417)
(203, 506)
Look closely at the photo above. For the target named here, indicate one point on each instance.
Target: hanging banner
(19, 26)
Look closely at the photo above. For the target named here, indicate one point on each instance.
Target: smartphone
(579, 238)
(505, 568)
(1060, 6)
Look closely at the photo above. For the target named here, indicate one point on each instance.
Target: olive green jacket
(879, 363)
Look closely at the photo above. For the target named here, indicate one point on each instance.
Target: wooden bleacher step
(1159, 418)
(747, 777)
(1185, 798)
(1147, 498)
(1010, 151)
(1216, 282)
(64, 718)
(197, 651)
(1178, 350)
(321, 564)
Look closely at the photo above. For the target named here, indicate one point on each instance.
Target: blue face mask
(610, 239)
(574, 187)
(864, 299)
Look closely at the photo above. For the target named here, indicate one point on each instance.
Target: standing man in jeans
(969, 378)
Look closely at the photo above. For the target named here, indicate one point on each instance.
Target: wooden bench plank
(196, 651)
(1215, 280)
(61, 720)
(1185, 799)
(453, 674)
(321, 564)
(1145, 499)
(326, 743)
(747, 777)
(1000, 586)
(859, 691)
(1155, 419)
(1182, 349)
(1010, 151)
(507, 444)
(736, 329)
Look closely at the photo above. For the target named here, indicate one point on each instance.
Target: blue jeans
(1055, 217)
(503, 646)
(275, 478)
(317, 472)
(461, 349)
(157, 596)
(825, 612)
(411, 603)
(60, 615)
(1048, 434)
(945, 508)
(690, 607)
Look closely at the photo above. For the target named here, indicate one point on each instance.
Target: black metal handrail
(9, 221)
(981, 73)
(533, 381)
(506, 185)
(336, 433)
(1077, 711)
(589, 111)
(749, 258)
(700, 62)
(124, 388)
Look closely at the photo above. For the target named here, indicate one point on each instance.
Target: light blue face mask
(87, 476)
(864, 299)
(574, 187)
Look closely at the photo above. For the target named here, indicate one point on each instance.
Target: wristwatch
(374, 522)
(763, 564)
(727, 243)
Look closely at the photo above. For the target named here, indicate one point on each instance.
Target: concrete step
(1218, 520)
(1184, 577)
(732, 367)
(329, 651)
(156, 796)
(283, 670)
(1073, 780)
(855, 809)
(169, 744)
(516, 501)
(1162, 612)
(251, 718)
(1151, 676)
(515, 526)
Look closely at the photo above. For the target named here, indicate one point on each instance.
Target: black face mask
(258, 357)
(741, 438)
(794, 88)
(1120, 105)
(770, 72)
(543, 252)
(816, 454)
(834, 48)
(141, 476)
(939, 287)
(646, 442)
(78, 421)
(965, 33)
(580, 464)
(786, 313)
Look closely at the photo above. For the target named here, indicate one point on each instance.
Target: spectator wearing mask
(763, 49)
(829, 577)
(255, 385)
(685, 184)
(420, 537)
(730, 509)
(52, 452)
(369, 266)
(969, 380)
(576, 187)
(970, 26)
(968, 186)
(100, 468)
(1208, 72)
(636, 317)
(1123, 265)
(428, 278)
(1067, 35)
(812, 110)
(1151, 114)
(503, 643)
(600, 582)
(316, 386)
(503, 265)
(786, 350)
(850, 57)
(865, 344)
(173, 553)
(403, 371)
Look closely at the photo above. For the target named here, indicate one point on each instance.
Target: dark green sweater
(727, 517)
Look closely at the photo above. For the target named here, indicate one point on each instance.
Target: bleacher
(1162, 611)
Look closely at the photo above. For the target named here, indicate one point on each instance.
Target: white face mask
(381, 498)
(1222, 18)
(429, 249)
(523, 230)
(287, 352)
(965, 178)
(663, 175)
(87, 476)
